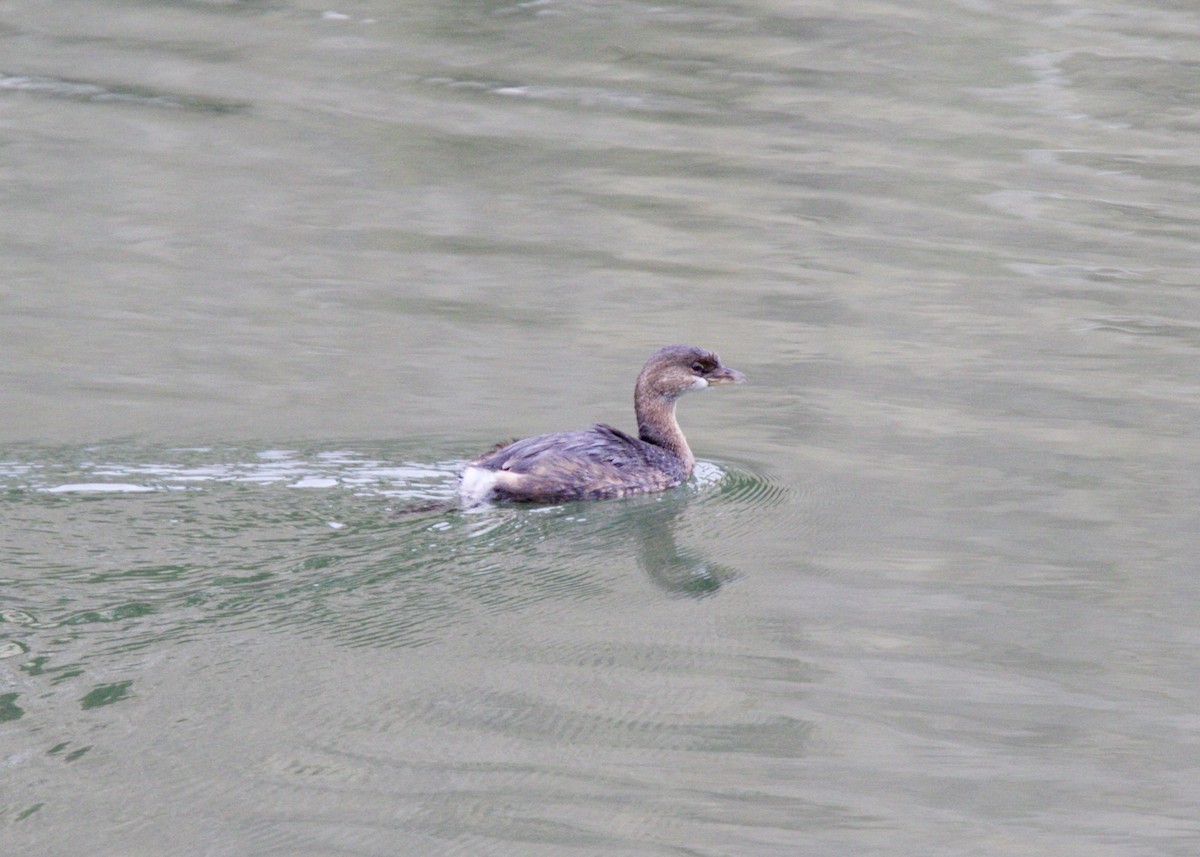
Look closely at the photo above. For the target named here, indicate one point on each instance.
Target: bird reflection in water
(654, 523)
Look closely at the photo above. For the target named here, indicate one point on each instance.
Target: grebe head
(677, 369)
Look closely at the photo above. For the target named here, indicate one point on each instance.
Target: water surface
(272, 271)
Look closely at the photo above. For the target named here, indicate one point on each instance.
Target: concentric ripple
(736, 493)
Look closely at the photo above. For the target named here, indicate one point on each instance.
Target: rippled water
(165, 578)
(154, 542)
(272, 271)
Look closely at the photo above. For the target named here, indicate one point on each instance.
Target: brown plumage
(602, 461)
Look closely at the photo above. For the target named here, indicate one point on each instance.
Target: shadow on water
(676, 570)
(719, 502)
(648, 527)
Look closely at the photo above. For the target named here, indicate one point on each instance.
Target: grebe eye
(698, 367)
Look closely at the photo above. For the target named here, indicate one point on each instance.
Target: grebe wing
(577, 465)
(600, 445)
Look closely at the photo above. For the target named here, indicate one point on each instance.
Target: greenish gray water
(272, 271)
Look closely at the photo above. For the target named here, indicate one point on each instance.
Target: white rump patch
(476, 485)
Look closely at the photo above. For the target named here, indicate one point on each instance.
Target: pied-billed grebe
(602, 461)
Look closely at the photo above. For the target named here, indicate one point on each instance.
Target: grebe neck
(657, 424)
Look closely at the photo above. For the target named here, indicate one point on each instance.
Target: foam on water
(116, 474)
